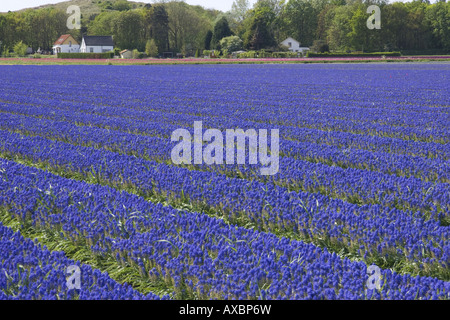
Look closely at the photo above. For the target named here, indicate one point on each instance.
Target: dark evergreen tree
(159, 28)
(208, 39)
(221, 30)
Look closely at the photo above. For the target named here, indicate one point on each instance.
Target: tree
(438, 18)
(324, 20)
(258, 35)
(238, 10)
(221, 30)
(357, 37)
(208, 38)
(20, 48)
(103, 24)
(320, 46)
(339, 28)
(128, 30)
(188, 26)
(231, 43)
(300, 19)
(156, 22)
(151, 49)
(121, 5)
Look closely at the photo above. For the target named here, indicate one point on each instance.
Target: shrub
(352, 55)
(151, 49)
(231, 43)
(263, 54)
(248, 55)
(20, 49)
(211, 53)
(288, 54)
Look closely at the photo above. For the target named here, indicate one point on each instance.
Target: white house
(66, 43)
(294, 45)
(97, 44)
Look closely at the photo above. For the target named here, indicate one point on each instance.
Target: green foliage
(252, 54)
(197, 53)
(354, 55)
(221, 30)
(300, 19)
(438, 18)
(320, 46)
(208, 39)
(121, 5)
(211, 53)
(20, 49)
(156, 21)
(231, 43)
(263, 54)
(137, 54)
(249, 55)
(259, 35)
(105, 55)
(225, 53)
(416, 26)
(288, 54)
(151, 49)
(188, 26)
(128, 30)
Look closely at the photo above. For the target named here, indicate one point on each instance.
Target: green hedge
(351, 55)
(264, 54)
(427, 52)
(286, 54)
(105, 55)
(211, 53)
(248, 54)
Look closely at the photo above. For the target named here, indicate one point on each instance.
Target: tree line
(324, 25)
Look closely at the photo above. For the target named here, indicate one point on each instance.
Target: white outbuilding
(97, 44)
(126, 54)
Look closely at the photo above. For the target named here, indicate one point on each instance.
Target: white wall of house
(66, 48)
(95, 49)
(292, 44)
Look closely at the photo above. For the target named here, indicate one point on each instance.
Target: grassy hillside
(90, 7)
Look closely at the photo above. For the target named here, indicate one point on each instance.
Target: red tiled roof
(62, 39)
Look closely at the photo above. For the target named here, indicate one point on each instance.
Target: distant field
(359, 208)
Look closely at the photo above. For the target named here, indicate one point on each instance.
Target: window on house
(92, 50)
(290, 44)
(70, 43)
